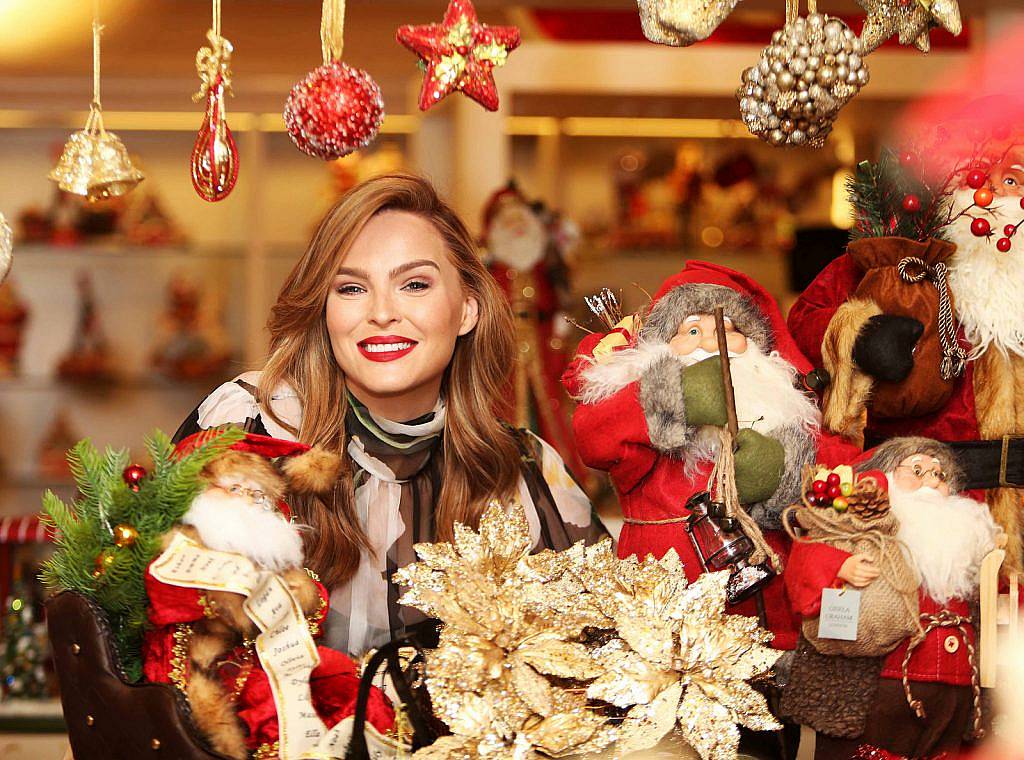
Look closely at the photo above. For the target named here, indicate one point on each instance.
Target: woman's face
(394, 313)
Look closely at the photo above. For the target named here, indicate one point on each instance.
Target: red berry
(818, 486)
(980, 227)
(834, 492)
(133, 475)
(833, 479)
(983, 197)
(1003, 245)
(911, 203)
(1022, 202)
(1009, 230)
(976, 178)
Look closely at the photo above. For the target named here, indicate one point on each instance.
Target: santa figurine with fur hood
(652, 402)
(202, 639)
(922, 698)
(936, 348)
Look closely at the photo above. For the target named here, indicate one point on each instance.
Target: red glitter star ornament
(460, 53)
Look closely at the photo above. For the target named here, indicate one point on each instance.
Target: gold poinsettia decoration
(563, 653)
(680, 660)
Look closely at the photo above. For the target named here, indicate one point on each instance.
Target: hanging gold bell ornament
(811, 69)
(214, 161)
(95, 162)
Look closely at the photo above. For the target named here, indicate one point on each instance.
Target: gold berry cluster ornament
(563, 653)
(811, 69)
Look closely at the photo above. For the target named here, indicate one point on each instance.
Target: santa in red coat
(946, 536)
(650, 410)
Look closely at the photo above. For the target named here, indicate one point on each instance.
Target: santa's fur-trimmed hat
(700, 287)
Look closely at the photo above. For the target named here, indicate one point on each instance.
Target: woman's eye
(416, 285)
(349, 289)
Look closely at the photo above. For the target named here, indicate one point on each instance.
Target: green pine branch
(84, 529)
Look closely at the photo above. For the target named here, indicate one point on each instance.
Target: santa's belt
(991, 464)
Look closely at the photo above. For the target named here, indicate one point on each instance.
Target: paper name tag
(840, 611)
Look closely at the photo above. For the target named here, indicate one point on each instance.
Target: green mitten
(704, 393)
(759, 464)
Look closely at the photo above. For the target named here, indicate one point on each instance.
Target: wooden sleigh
(1000, 632)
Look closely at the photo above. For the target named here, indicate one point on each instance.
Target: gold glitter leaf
(707, 727)
(532, 688)
(558, 658)
(562, 733)
(646, 724)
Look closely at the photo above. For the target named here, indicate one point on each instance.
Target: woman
(390, 342)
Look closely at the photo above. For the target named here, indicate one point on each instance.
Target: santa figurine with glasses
(923, 698)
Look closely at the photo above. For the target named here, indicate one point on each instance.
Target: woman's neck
(399, 408)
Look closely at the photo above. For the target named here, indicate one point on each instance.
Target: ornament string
(332, 30)
(792, 11)
(724, 474)
(95, 120)
(216, 17)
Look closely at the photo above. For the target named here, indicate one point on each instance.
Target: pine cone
(868, 501)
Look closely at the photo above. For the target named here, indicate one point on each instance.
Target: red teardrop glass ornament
(214, 157)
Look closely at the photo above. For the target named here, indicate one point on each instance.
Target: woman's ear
(470, 315)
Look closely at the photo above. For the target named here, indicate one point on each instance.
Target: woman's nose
(382, 309)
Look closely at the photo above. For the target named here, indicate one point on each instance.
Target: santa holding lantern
(652, 401)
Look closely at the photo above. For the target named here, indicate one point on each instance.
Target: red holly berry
(1009, 230)
(833, 479)
(911, 203)
(133, 475)
(1003, 245)
(980, 227)
(819, 486)
(834, 492)
(1022, 202)
(983, 197)
(976, 178)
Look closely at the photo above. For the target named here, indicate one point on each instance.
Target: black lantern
(721, 545)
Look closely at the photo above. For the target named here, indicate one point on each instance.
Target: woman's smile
(386, 348)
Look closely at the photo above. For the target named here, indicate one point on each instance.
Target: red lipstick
(385, 348)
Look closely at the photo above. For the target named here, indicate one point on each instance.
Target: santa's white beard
(987, 284)
(947, 537)
(231, 523)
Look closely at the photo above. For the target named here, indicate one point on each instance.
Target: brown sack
(907, 278)
(889, 610)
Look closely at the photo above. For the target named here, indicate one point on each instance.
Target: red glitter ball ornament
(911, 203)
(976, 178)
(133, 475)
(334, 111)
(980, 227)
(1003, 245)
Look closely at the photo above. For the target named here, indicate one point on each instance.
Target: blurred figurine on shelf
(648, 200)
(526, 247)
(13, 316)
(146, 222)
(191, 342)
(53, 450)
(88, 360)
(739, 210)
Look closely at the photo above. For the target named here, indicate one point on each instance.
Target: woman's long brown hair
(480, 455)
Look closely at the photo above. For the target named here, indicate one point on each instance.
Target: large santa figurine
(923, 698)
(651, 406)
(982, 407)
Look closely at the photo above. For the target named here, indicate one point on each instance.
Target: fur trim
(661, 397)
(214, 714)
(998, 391)
(887, 455)
(315, 471)
(662, 323)
(800, 447)
(846, 397)
(607, 375)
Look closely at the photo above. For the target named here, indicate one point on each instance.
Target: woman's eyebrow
(413, 265)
